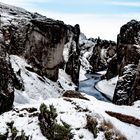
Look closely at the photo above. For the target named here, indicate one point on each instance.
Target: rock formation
(102, 51)
(40, 41)
(112, 67)
(44, 46)
(73, 60)
(6, 79)
(128, 55)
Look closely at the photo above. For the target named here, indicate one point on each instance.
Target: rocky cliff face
(40, 41)
(128, 55)
(73, 59)
(6, 80)
(44, 46)
(102, 51)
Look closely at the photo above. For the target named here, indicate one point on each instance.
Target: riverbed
(88, 86)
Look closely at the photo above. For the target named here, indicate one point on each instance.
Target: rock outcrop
(6, 79)
(73, 59)
(112, 67)
(128, 56)
(86, 47)
(44, 46)
(40, 41)
(135, 90)
(102, 51)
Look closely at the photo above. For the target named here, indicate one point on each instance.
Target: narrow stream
(88, 86)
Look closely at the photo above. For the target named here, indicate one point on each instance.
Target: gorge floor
(88, 86)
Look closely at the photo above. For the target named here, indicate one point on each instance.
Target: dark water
(87, 86)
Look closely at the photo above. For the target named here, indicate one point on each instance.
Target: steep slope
(40, 41)
(35, 87)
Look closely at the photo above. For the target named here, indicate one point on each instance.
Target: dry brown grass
(110, 132)
(74, 94)
(92, 125)
(124, 118)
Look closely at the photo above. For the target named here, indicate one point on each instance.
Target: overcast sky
(96, 17)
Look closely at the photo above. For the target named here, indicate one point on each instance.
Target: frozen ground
(107, 87)
(68, 112)
(72, 111)
(37, 88)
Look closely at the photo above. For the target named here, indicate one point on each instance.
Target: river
(88, 86)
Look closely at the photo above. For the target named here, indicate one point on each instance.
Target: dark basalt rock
(128, 54)
(98, 60)
(122, 92)
(44, 46)
(8, 79)
(6, 82)
(112, 68)
(73, 63)
(129, 33)
(135, 90)
(74, 94)
(73, 67)
(40, 41)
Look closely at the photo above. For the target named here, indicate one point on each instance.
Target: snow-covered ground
(75, 117)
(107, 87)
(37, 88)
(70, 110)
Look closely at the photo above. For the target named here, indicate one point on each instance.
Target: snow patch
(37, 88)
(107, 87)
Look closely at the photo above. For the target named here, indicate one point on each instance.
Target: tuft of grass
(49, 127)
(12, 133)
(92, 125)
(23, 136)
(110, 132)
(108, 135)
